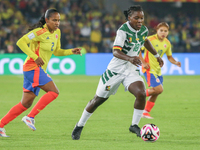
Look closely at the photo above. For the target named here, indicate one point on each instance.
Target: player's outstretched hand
(135, 60)
(160, 61)
(178, 63)
(39, 62)
(77, 51)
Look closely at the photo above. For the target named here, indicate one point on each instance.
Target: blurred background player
(131, 36)
(152, 69)
(44, 40)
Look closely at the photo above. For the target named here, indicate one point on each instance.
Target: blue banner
(97, 63)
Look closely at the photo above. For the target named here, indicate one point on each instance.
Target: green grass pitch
(176, 113)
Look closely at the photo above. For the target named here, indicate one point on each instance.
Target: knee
(27, 104)
(56, 91)
(54, 94)
(96, 101)
(141, 95)
(159, 91)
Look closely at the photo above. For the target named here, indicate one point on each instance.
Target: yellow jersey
(162, 48)
(42, 44)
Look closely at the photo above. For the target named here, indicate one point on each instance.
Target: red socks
(12, 114)
(149, 106)
(19, 108)
(42, 103)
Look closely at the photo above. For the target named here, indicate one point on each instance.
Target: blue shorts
(35, 78)
(153, 80)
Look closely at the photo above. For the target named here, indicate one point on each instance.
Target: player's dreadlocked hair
(131, 9)
(42, 21)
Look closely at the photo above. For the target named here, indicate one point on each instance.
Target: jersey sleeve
(23, 42)
(59, 51)
(119, 40)
(169, 51)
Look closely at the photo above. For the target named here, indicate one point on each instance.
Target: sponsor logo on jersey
(31, 36)
(47, 37)
(108, 88)
(137, 39)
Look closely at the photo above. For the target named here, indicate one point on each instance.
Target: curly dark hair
(131, 9)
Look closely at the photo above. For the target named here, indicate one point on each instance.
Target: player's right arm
(23, 42)
(173, 61)
(117, 49)
(150, 48)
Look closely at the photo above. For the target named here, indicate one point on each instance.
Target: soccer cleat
(146, 115)
(76, 133)
(135, 129)
(29, 122)
(3, 132)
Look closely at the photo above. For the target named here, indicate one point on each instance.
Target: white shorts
(110, 82)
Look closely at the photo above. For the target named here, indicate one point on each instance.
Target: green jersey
(129, 41)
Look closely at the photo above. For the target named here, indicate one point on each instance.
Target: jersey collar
(156, 36)
(129, 26)
(45, 26)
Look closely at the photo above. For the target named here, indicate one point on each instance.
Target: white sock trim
(137, 115)
(85, 116)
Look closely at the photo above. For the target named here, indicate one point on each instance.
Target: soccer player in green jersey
(131, 36)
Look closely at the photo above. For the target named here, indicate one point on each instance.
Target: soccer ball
(150, 133)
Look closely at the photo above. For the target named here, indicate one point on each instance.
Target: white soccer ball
(150, 132)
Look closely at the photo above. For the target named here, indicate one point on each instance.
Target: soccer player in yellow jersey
(151, 68)
(43, 40)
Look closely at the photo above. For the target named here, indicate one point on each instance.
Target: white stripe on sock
(85, 116)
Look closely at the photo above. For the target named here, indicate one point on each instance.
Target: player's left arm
(64, 52)
(150, 48)
(173, 61)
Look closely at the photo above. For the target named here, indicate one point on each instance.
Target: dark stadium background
(92, 24)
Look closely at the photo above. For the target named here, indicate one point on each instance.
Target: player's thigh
(108, 85)
(50, 86)
(132, 79)
(137, 88)
(158, 89)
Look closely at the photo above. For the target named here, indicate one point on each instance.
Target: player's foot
(135, 129)
(29, 122)
(3, 132)
(76, 133)
(146, 115)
